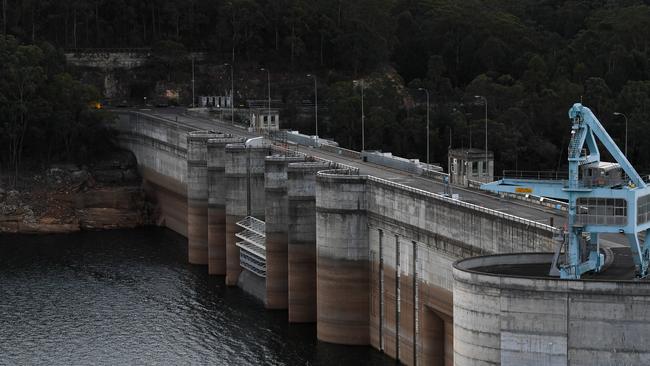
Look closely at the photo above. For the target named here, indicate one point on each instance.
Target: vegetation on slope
(531, 59)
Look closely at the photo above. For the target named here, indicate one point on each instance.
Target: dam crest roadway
(367, 252)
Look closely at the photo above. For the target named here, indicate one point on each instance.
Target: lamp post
(363, 116)
(232, 92)
(193, 99)
(268, 79)
(624, 116)
(484, 99)
(315, 100)
(427, 91)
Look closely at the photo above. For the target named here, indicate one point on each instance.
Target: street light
(268, 79)
(486, 133)
(315, 99)
(193, 99)
(624, 116)
(363, 117)
(232, 92)
(427, 91)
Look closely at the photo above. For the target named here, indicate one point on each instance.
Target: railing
(442, 198)
(250, 223)
(332, 164)
(465, 204)
(539, 175)
(108, 50)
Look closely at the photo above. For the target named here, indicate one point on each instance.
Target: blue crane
(603, 197)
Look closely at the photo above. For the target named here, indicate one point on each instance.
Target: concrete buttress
(342, 258)
(197, 196)
(276, 214)
(217, 203)
(301, 193)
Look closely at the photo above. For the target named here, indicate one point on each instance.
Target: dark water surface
(129, 297)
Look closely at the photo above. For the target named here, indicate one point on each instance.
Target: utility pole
(427, 91)
(193, 81)
(315, 100)
(363, 117)
(486, 134)
(232, 90)
(268, 79)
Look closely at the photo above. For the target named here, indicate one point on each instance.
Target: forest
(530, 60)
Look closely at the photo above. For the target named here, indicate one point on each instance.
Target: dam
(376, 256)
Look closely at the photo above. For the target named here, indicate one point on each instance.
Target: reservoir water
(128, 297)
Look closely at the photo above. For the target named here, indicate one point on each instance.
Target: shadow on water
(129, 297)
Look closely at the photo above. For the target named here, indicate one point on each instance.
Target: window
(475, 167)
(601, 211)
(643, 210)
(272, 118)
(266, 118)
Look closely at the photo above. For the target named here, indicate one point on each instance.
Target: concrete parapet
(217, 203)
(516, 320)
(244, 173)
(342, 258)
(276, 218)
(197, 196)
(301, 193)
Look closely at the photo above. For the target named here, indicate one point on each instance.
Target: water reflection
(129, 297)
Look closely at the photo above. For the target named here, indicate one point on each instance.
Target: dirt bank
(68, 198)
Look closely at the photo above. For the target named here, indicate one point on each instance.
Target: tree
(21, 77)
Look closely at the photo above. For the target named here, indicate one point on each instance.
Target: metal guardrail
(332, 164)
(253, 224)
(539, 175)
(465, 204)
(108, 50)
(335, 172)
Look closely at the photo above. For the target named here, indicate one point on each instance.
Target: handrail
(445, 199)
(465, 204)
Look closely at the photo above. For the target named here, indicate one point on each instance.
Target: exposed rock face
(66, 198)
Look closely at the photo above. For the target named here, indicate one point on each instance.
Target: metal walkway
(252, 253)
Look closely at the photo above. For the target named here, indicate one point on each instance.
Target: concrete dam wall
(368, 260)
(506, 319)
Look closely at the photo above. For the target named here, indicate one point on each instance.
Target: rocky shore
(67, 198)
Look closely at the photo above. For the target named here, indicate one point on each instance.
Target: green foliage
(44, 111)
(530, 59)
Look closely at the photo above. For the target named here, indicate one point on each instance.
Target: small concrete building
(215, 101)
(263, 119)
(470, 164)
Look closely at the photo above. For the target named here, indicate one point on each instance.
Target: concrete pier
(244, 173)
(301, 194)
(342, 253)
(217, 203)
(197, 196)
(276, 214)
